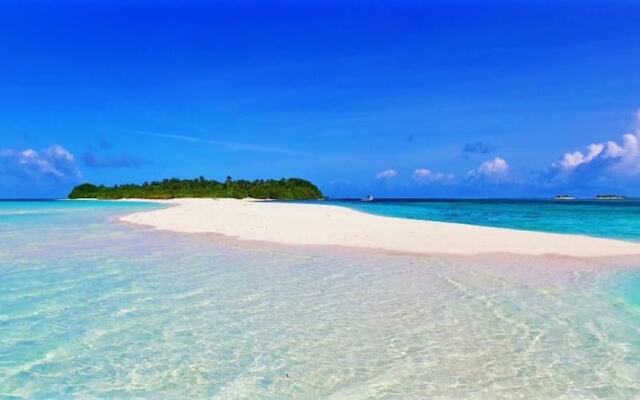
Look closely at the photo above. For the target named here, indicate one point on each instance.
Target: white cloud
(620, 158)
(387, 174)
(424, 175)
(235, 146)
(495, 170)
(54, 162)
(571, 161)
(421, 173)
(496, 166)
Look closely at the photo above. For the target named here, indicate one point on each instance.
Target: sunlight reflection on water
(91, 308)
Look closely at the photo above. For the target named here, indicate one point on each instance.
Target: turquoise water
(90, 308)
(614, 219)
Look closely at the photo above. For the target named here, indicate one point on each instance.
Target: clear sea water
(90, 308)
(613, 219)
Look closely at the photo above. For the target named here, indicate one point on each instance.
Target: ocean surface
(619, 219)
(91, 308)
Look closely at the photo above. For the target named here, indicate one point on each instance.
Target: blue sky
(455, 99)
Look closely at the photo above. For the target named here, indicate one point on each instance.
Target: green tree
(282, 189)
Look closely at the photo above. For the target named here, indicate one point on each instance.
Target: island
(277, 189)
(610, 197)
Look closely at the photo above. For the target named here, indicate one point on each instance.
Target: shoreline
(328, 225)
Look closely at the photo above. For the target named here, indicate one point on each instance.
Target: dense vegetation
(283, 189)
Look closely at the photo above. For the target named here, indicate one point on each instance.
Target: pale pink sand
(317, 224)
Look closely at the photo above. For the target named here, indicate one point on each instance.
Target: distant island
(279, 189)
(610, 197)
(564, 197)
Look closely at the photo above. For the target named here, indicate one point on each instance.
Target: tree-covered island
(282, 189)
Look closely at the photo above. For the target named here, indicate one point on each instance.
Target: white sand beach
(317, 224)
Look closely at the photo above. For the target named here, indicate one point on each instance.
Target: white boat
(564, 197)
(367, 198)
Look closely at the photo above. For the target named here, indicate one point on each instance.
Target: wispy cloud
(425, 175)
(93, 160)
(228, 145)
(53, 163)
(477, 148)
(387, 174)
(610, 159)
(495, 171)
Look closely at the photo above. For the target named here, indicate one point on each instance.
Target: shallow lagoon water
(91, 308)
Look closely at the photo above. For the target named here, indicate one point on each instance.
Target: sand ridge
(319, 224)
